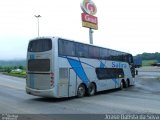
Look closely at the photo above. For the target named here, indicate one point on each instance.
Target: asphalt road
(142, 98)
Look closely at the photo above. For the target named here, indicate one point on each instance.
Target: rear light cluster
(52, 79)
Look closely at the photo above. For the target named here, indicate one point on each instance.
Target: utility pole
(91, 35)
(38, 16)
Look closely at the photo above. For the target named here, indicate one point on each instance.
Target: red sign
(89, 7)
(89, 18)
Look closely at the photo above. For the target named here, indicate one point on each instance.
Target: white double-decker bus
(57, 67)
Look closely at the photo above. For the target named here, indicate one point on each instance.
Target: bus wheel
(121, 85)
(127, 83)
(81, 91)
(91, 89)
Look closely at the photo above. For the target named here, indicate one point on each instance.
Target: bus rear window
(40, 45)
(40, 65)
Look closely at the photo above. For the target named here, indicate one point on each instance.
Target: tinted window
(81, 50)
(93, 52)
(103, 53)
(128, 58)
(66, 48)
(109, 73)
(110, 54)
(40, 45)
(42, 65)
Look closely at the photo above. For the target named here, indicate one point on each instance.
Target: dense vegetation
(14, 68)
(150, 56)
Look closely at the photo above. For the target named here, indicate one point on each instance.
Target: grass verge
(21, 74)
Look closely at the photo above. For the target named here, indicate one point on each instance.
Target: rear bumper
(42, 93)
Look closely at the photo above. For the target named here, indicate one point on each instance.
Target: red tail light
(52, 79)
(52, 75)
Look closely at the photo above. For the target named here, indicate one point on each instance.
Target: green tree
(21, 67)
(9, 69)
(15, 67)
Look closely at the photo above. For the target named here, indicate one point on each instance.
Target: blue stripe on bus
(102, 65)
(88, 64)
(77, 67)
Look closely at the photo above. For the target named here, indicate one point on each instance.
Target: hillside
(149, 56)
(148, 59)
(13, 63)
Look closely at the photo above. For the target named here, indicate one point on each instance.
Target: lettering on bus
(118, 65)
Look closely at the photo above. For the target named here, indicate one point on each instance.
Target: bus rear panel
(40, 75)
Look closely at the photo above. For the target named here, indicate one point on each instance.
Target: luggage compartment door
(72, 83)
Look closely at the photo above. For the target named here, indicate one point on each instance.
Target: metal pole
(38, 27)
(91, 35)
(38, 16)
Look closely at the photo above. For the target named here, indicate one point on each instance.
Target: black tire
(127, 83)
(91, 89)
(81, 91)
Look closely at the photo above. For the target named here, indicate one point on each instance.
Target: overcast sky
(127, 25)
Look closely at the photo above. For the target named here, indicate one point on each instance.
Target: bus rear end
(40, 76)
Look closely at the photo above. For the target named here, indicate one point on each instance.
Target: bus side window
(109, 73)
(81, 50)
(66, 48)
(103, 53)
(94, 52)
